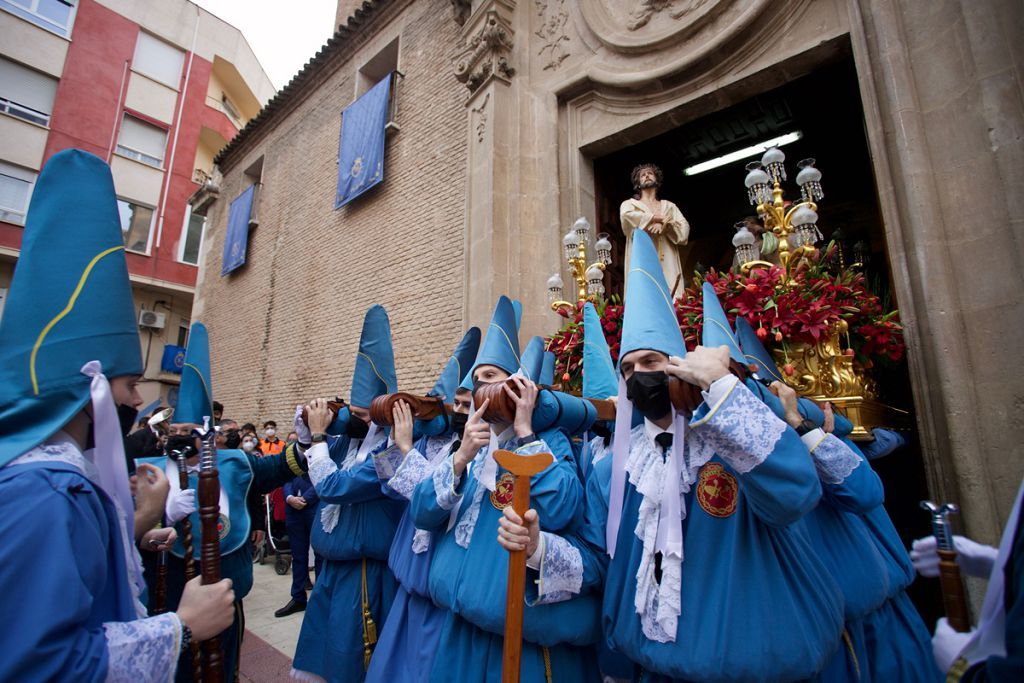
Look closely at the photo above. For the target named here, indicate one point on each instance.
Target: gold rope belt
(369, 628)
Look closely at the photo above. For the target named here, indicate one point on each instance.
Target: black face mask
(181, 443)
(126, 415)
(458, 422)
(232, 439)
(649, 393)
(356, 428)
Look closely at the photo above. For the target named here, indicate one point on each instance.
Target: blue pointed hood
(547, 371)
(374, 372)
(195, 395)
(70, 302)
(649, 320)
(532, 362)
(598, 370)
(517, 308)
(754, 352)
(501, 343)
(717, 331)
(456, 367)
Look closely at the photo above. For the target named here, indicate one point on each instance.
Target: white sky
(284, 35)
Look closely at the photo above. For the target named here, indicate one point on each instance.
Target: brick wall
(286, 326)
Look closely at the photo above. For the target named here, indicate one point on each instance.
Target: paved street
(269, 643)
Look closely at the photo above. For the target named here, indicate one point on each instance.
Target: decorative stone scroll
(488, 49)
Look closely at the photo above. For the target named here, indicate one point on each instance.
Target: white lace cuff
(387, 462)
(444, 484)
(740, 429)
(833, 459)
(719, 390)
(409, 474)
(561, 570)
(143, 650)
(320, 463)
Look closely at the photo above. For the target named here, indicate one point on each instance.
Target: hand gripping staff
(190, 563)
(522, 468)
(209, 551)
(949, 571)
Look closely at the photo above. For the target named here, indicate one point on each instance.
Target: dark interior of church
(825, 108)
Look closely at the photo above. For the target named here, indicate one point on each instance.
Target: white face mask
(270, 432)
(247, 445)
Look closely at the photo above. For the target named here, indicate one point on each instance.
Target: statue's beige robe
(635, 215)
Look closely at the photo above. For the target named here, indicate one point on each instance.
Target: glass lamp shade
(805, 223)
(743, 240)
(571, 244)
(758, 184)
(809, 180)
(555, 287)
(604, 248)
(595, 280)
(774, 163)
(582, 229)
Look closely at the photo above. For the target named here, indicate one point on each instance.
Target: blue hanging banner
(237, 238)
(361, 149)
(174, 358)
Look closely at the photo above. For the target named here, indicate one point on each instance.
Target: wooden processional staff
(209, 550)
(949, 571)
(190, 562)
(522, 468)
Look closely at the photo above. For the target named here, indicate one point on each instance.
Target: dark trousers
(299, 526)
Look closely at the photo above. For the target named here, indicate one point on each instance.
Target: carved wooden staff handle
(209, 549)
(953, 598)
(522, 468)
(188, 544)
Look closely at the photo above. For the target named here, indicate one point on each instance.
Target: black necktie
(665, 441)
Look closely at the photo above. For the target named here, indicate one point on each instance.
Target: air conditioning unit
(152, 319)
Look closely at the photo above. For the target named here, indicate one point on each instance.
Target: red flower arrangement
(802, 312)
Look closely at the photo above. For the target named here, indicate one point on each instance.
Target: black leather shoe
(291, 608)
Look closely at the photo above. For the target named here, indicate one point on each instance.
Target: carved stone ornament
(552, 16)
(487, 53)
(645, 25)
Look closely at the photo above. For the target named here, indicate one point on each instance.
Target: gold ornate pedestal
(826, 372)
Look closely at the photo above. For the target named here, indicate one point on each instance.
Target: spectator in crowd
(301, 503)
(228, 436)
(270, 444)
(248, 428)
(148, 442)
(292, 438)
(218, 412)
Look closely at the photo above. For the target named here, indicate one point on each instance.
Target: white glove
(975, 559)
(947, 644)
(301, 430)
(180, 505)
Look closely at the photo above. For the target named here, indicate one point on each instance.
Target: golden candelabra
(588, 277)
(798, 222)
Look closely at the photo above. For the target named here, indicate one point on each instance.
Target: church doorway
(823, 111)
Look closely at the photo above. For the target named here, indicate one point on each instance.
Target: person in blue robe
(409, 640)
(356, 521)
(891, 640)
(705, 579)
(72, 581)
(239, 473)
(461, 502)
(850, 487)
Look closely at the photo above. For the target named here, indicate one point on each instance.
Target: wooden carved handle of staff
(209, 549)
(522, 468)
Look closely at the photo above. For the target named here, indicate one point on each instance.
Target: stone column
(942, 94)
(486, 69)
